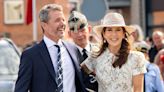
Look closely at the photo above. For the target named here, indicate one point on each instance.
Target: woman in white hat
(116, 67)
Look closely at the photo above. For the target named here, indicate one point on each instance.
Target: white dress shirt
(67, 65)
(87, 48)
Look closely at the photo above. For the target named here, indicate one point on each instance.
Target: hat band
(122, 23)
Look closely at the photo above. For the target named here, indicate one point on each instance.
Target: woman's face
(114, 36)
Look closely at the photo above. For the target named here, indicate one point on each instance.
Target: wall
(21, 34)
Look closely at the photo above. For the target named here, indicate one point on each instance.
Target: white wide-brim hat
(113, 20)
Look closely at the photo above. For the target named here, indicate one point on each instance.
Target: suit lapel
(73, 52)
(46, 59)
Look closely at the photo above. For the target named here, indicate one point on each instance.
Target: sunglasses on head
(81, 27)
(74, 19)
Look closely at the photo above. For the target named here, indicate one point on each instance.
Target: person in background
(158, 40)
(153, 80)
(94, 41)
(137, 35)
(30, 45)
(159, 61)
(117, 68)
(80, 33)
(149, 41)
(51, 65)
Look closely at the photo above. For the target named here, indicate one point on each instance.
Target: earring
(126, 39)
(104, 41)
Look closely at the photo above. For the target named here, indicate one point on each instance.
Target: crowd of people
(109, 57)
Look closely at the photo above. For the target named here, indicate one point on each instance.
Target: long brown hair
(123, 52)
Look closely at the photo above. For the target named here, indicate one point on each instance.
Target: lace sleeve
(138, 66)
(90, 63)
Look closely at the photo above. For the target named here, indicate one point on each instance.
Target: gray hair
(44, 12)
(158, 32)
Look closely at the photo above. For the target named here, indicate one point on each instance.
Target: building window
(154, 18)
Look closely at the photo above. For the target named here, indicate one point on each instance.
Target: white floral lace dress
(112, 79)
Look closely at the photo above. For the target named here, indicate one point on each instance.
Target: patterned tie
(84, 54)
(59, 71)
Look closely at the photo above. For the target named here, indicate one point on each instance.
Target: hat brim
(98, 29)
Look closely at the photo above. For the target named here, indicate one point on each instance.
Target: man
(79, 32)
(50, 66)
(158, 40)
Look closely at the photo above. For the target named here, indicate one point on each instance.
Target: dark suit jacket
(88, 79)
(153, 52)
(36, 72)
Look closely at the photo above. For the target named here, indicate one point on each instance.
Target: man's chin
(61, 37)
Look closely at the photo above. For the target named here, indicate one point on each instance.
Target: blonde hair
(139, 32)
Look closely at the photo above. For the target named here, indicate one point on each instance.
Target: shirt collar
(108, 52)
(50, 43)
(146, 63)
(88, 48)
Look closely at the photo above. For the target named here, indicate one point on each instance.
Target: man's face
(157, 39)
(80, 37)
(55, 27)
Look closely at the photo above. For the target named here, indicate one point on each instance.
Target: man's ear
(89, 28)
(43, 25)
(69, 33)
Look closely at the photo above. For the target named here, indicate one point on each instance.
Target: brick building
(22, 33)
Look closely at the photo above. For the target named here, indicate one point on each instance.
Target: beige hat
(113, 20)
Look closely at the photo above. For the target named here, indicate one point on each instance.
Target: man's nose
(63, 23)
